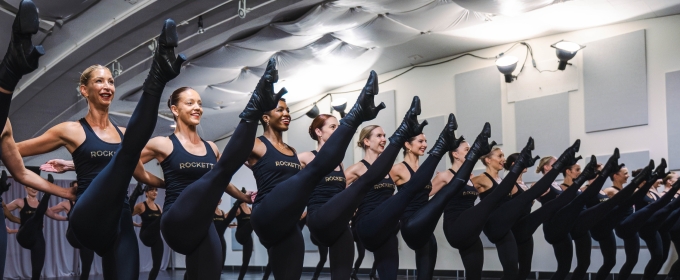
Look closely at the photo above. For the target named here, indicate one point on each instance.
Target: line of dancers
(196, 174)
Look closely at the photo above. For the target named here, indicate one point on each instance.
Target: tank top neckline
(269, 144)
(174, 138)
(491, 178)
(26, 204)
(146, 206)
(408, 167)
(86, 125)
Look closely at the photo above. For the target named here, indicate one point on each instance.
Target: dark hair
(510, 160)
(318, 122)
(611, 177)
(148, 188)
(564, 172)
(266, 113)
(408, 141)
(72, 184)
(174, 98)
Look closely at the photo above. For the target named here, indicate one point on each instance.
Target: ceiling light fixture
(242, 10)
(506, 65)
(340, 105)
(116, 69)
(565, 51)
(200, 25)
(314, 112)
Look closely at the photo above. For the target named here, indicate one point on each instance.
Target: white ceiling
(319, 45)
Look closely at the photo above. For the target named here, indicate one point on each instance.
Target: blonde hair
(87, 74)
(365, 134)
(668, 177)
(544, 161)
(484, 157)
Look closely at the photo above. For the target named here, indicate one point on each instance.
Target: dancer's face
(496, 160)
(99, 89)
(189, 109)
(548, 166)
(573, 171)
(152, 193)
(329, 126)
(418, 145)
(279, 118)
(31, 192)
(621, 176)
(376, 142)
(672, 180)
(462, 150)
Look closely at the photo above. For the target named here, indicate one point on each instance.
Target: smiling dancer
(150, 233)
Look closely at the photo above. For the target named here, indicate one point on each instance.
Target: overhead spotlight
(116, 69)
(565, 51)
(340, 105)
(314, 112)
(200, 25)
(506, 65)
(152, 45)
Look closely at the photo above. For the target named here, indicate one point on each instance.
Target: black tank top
(419, 200)
(645, 201)
(243, 226)
(148, 216)
(462, 201)
(26, 212)
(328, 187)
(220, 224)
(272, 169)
(91, 156)
(553, 192)
(599, 198)
(182, 168)
(377, 195)
(494, 185)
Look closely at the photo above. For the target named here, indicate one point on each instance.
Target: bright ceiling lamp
(565, 51)
(506, 65)
(340, 105)
(314, 112)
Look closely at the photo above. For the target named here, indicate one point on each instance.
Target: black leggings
(86, 255)
(98, 219)
(323, 257)
(30, 236)
(426, 259)
(188, 226)
(675, 268)
(632, 249)
(381, 224)
(151, 237)
(247, 252)
(328, 223)
(655, 247)
(608, 249)
(525, 254)
(583, 245)
(361, 252)
(275, 219)
(564, 252)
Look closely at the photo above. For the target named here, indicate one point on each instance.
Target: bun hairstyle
(174, 98)
(542, 163)
(318, 122)
(451, 152)
(365, 134)
(264, 124)
(484, 157)
(611, 177)
(510, 160)
(87, 74)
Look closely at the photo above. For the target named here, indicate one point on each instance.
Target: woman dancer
(629, 229)
(243, 234)
(196, 174)
(276, 211)
(653, 236)
(150, 234)
(86, 255)
(99, 220)
(30, 235)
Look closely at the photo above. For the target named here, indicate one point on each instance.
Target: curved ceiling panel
(384, 6)
(230, 56)
(271, 39)
(326, 18)
(439, 15)
(244, 83)
(217, 99)
(195, 75)
(380, 32)
(505, 7)
(58, 10)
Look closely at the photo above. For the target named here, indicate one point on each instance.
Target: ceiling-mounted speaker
(504, 7)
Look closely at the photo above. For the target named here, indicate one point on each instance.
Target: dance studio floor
(178, 275)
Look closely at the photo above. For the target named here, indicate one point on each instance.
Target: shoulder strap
(120, 133)
(368, 165)
(408, 167)
(491, 178)
(314, 152)
(452, 172)
(86, 126)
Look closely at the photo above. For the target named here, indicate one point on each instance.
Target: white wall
(435, 86)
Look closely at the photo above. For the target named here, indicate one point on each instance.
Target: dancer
(544, 166)
(323, 257)
(665, 228)
(498, 228)
(86, 255)
(30, 235)
(361, 252)
(222, 221)
(243, 233)
(150, 234)
(100, 220)
(284, 189)
(629, 228)
(196, 174)
(658, 240)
